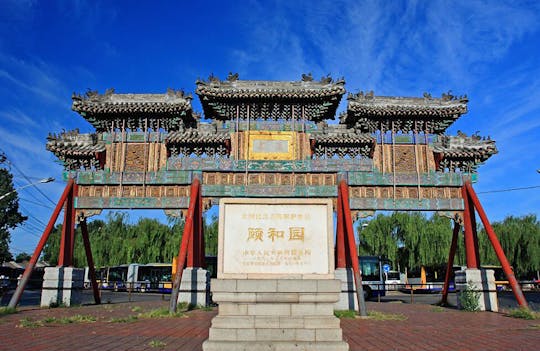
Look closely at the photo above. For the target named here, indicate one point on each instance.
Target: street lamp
(44, 180)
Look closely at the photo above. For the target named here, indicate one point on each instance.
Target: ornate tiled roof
(337, 140)
(169, 111)
(336, 134)
(74, 144)
(369, 113)
(76, 150)
(197, 137)
(314, 100)
(463, 152)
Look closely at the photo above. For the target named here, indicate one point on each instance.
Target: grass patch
(29, 323)
(345, 314)
(7, 310)
(157, 343)
(523, 313)
(128, 319)
(161, 313)
(438, 309)
(136, 309)
(78, 318)
(535, 326)
(380, 316)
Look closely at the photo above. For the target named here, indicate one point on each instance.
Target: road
(506, 298)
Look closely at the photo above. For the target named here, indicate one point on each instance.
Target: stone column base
(347, 295)
(195, 287)
(275, 314)
(481, 281)
(62, 286)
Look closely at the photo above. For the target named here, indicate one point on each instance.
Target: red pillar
(187, 238)
(90, 260)
(497, 247)
(450, 265)
(340, 236)
(353, 251)
(65, 257)
(474, 233)
(202, 253)
(44, 237)
(468, 231)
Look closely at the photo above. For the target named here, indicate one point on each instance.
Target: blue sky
(489, 50)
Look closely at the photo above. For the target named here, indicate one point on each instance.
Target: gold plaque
(270, 145)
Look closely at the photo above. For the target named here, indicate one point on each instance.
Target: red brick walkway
(426, 328)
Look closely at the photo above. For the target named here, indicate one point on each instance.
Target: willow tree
(520, 240)
(408, 239)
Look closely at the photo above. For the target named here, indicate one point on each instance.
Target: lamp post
(44, 180)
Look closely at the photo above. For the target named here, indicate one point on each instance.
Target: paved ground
(115, 328)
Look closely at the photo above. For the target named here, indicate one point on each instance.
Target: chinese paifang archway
(272, 139)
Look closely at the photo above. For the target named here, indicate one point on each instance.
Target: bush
(469, 299)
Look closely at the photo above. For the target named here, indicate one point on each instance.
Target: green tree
(23, 256)
(407, 239)
(10, 216)
(520, 240)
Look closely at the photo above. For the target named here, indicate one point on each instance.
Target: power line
(36, 203)
(27, 178)
(510, 189)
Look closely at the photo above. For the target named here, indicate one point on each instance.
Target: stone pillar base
(275, 314)
(62, 286)
(481, 281)
(195, 287)
(347, 296)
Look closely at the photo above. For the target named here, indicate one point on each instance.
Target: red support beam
(450, 265)
(187, 237)
(468, 231)
(90, 260)
(75, 193)
(65, 256)
(474, 233)
(202, 252)
(340, 235)
(516, 289)
(44, 237)
(353, 250)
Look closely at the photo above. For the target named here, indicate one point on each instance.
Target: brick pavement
(426, 328)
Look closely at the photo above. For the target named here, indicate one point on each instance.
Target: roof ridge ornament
(307, 77)
(232, 77)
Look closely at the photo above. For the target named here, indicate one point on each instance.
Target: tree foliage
(116, 241)
(411, 240)
(10, 216)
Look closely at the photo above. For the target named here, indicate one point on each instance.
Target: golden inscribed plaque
(270, 145)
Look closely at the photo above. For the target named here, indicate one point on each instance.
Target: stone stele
(275, 287)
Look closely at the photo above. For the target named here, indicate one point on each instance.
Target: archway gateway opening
(272, 139)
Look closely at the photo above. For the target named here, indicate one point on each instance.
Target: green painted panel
(426, 179)
(112, 178)
(268, 191)
(230, 165)
(131, 202)
(407, 204)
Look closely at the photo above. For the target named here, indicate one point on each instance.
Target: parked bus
(155, 277)
(372, 275)
(108, 278)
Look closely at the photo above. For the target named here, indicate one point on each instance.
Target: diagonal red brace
(44, 237)
(516, 289)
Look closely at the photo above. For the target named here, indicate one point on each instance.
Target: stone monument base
(481, 281)
(275, 314)
(62, 286)
(195, 287)
(347, 295)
